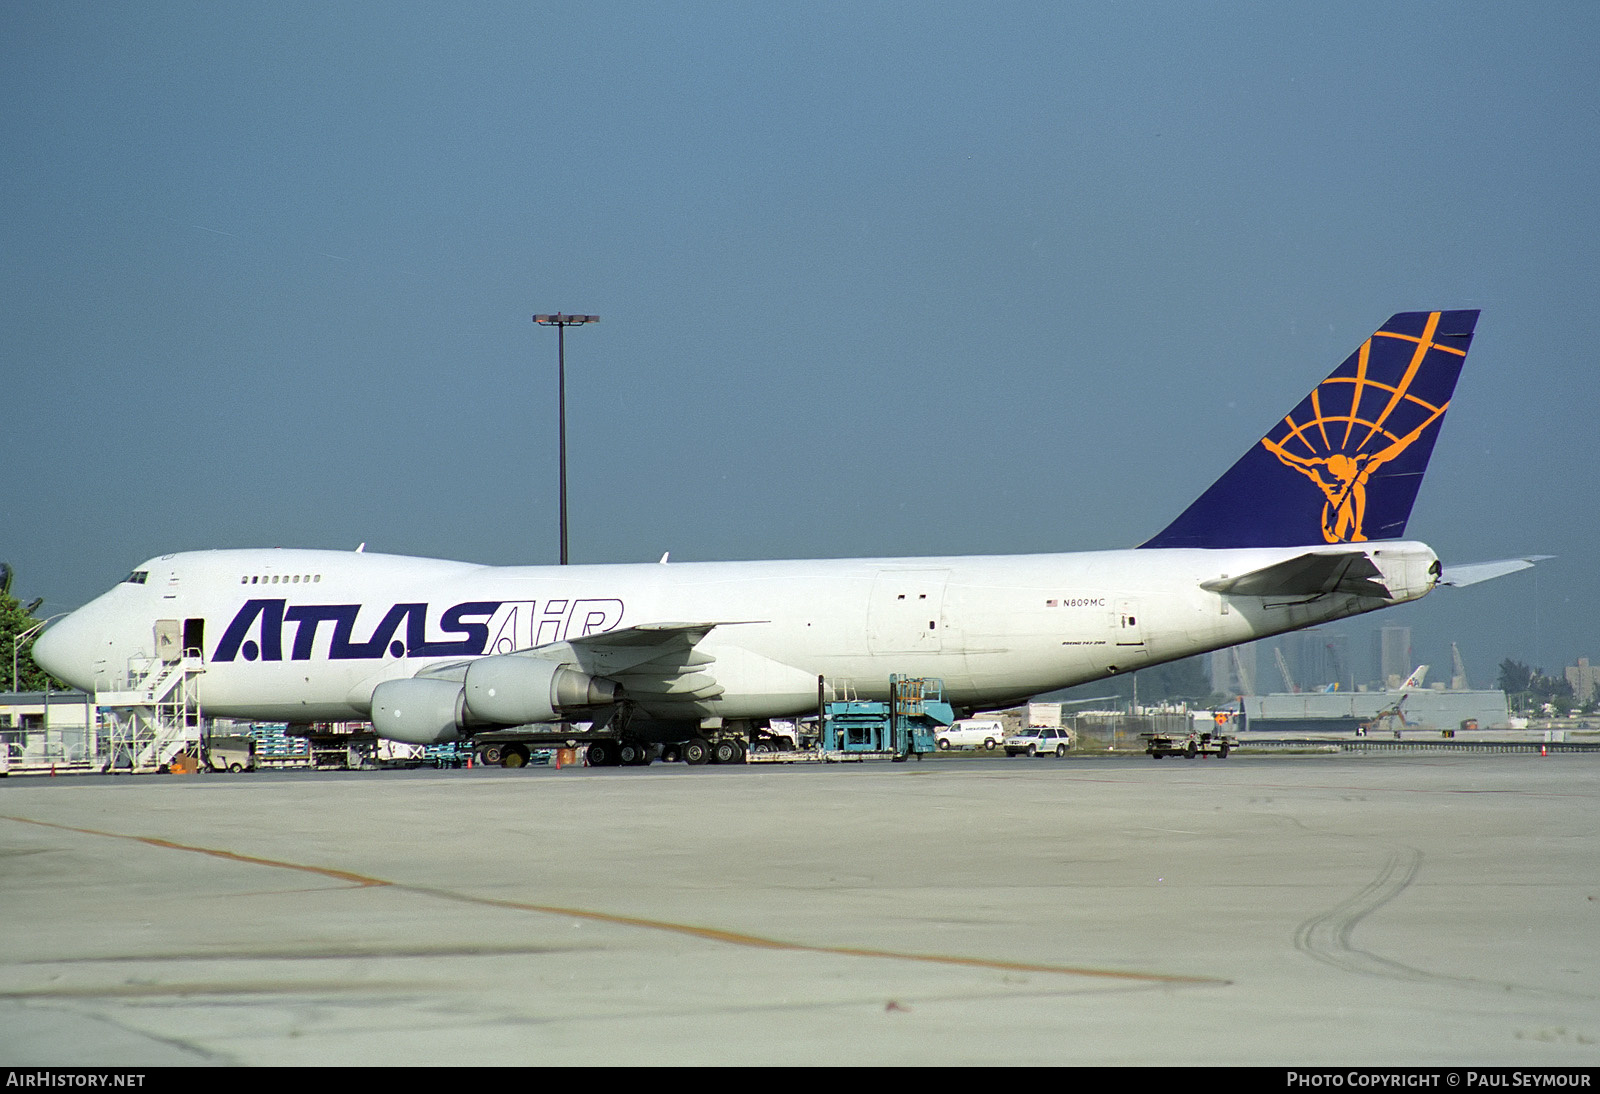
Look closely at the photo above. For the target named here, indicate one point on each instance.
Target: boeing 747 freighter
(1305, 528)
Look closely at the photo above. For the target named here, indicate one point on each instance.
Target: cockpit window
(137, 577)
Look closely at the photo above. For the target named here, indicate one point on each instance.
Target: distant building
(1394, 659)
(1318, 658)
(49, 725)
(1233, 670)
(1342, 712)
(36, 710)
(1585, 680)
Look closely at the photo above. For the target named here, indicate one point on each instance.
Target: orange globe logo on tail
(1362, 437)
(1359, 423)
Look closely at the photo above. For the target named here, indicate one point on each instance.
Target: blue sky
(874, 278)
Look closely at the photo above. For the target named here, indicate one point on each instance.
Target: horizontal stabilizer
(1471, 573)
(1317, 574)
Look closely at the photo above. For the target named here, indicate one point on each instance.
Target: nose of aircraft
(65, 650)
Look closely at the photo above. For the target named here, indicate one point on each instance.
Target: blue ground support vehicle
(902, 726)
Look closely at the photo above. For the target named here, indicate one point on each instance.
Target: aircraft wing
(1314, 574)
(651, 660)
(1471, 573)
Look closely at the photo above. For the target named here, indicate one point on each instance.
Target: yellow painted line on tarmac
(153, 841)
(711, 934)
(737, 938)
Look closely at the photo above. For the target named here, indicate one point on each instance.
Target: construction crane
(1246, 686)
(1338, 666)
(1283, 667)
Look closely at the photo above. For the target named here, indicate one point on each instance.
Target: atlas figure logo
(1355, 429)
(472, 629)
(1362, 437)
(1340, 469)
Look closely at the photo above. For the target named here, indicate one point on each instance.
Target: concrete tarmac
(1310, 910)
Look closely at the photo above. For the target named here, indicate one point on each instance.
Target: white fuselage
(302, 635)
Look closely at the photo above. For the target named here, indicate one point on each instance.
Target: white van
(971, 733)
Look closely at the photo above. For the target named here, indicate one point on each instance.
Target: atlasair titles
(469, 629)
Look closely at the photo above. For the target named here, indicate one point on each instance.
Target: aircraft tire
(696, 752)
(727, 751)
(602, 754)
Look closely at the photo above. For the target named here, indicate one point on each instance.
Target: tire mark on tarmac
(1327, 937)
(710, 934)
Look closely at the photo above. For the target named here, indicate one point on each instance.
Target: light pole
(16, 644)
(561, 323)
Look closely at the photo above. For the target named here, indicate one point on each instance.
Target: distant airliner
(1302, 530)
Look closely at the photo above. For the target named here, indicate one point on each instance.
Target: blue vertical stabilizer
(1344, 465)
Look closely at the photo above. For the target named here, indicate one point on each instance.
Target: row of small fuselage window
(138, 577)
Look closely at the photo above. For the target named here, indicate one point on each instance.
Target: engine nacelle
(418, 712)
(512, 689)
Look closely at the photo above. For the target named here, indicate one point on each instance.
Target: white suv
(1039, 741)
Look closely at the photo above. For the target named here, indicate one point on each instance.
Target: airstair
(155, 713)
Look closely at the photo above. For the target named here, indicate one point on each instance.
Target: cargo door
(1129, 632)
(169, 640)
(906, 613)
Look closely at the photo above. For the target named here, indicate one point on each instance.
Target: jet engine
(418, 712)
(512, 689)
(509, 690)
